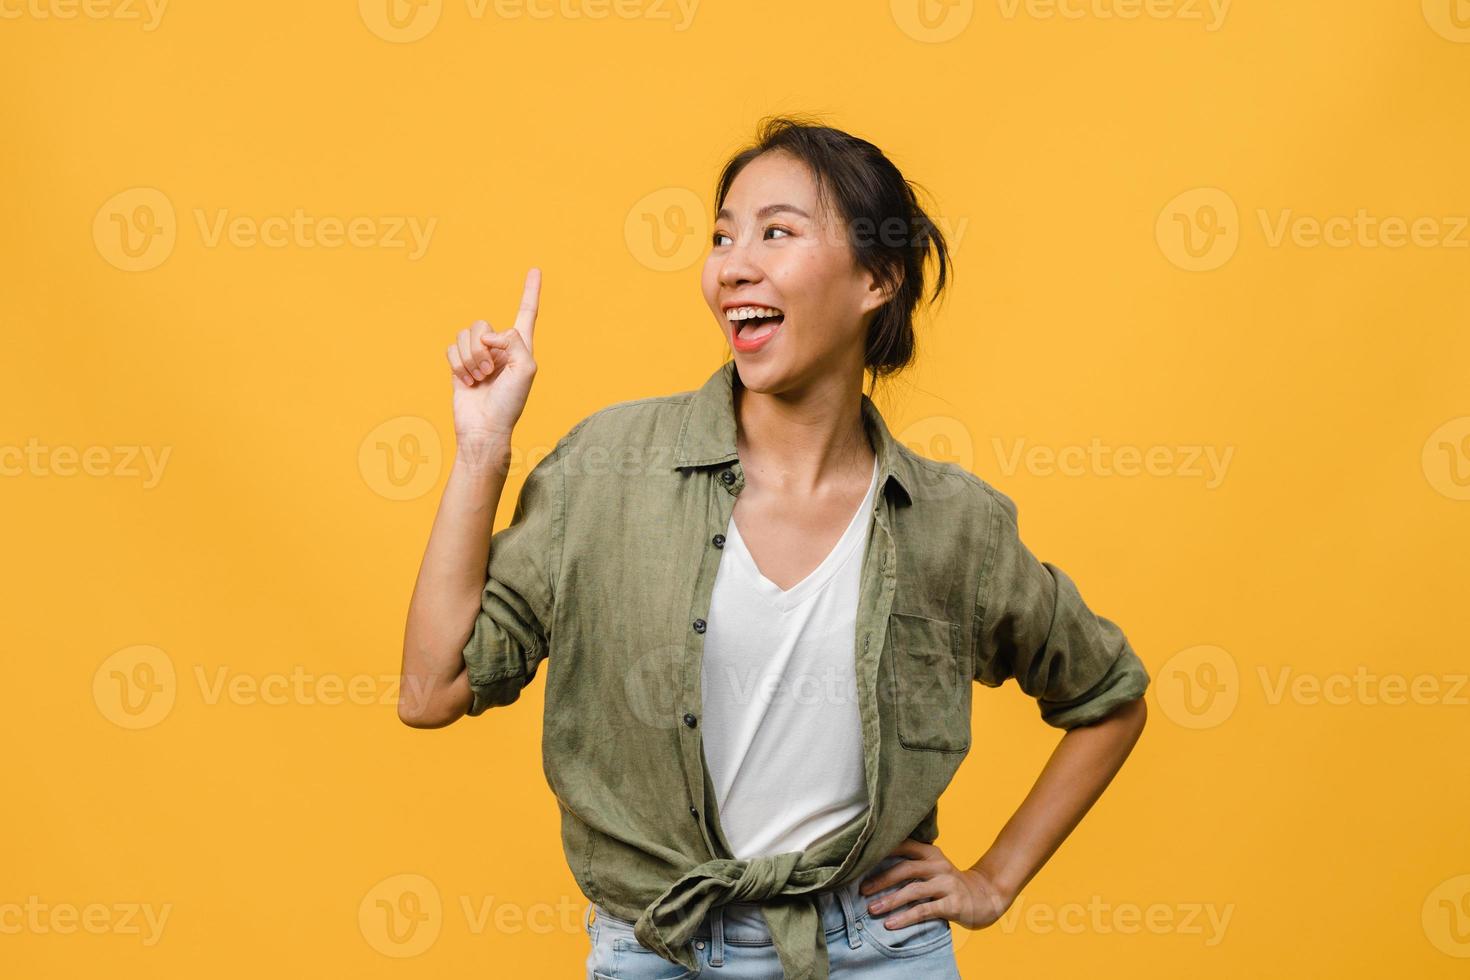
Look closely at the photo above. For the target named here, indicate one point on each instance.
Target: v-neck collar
(707, 436)
(786, 599)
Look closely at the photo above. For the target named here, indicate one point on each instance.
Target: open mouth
(753, 323)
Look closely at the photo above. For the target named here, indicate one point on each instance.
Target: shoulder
(631, 421)
(635, 437)
(950, 484)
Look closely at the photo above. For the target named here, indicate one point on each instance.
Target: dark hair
(889, 232)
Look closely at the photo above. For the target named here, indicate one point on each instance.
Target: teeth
(747, 312)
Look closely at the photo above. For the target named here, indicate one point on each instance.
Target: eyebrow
(766, 211)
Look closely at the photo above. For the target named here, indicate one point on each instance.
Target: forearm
(1081, 767)
(434, 688)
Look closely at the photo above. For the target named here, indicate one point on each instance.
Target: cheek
(805, 274)
(709, 281)
(807, 281)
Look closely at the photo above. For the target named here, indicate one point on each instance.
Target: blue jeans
(733, 943)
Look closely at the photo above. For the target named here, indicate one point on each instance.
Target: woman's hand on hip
(940, 889)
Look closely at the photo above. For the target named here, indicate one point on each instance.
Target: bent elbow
(419, 718)
(424, 703)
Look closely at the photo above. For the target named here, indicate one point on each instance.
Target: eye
(715, 238)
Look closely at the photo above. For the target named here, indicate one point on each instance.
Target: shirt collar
(708, 433)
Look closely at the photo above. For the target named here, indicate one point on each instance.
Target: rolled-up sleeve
(1033, 625)
(509, 640)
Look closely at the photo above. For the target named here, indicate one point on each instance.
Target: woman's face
(774, 247)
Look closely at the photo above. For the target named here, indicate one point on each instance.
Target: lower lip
(748, 346)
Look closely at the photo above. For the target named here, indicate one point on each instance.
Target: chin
(762, 378)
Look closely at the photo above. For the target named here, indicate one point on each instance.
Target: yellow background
(302, 395)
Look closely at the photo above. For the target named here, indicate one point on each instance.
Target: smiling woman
(761, 650)
(814, 224)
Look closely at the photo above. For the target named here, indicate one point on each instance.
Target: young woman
(763, 616)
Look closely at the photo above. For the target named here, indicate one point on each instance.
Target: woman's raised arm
(491, 374)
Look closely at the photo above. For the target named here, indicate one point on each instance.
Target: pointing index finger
(530, 303)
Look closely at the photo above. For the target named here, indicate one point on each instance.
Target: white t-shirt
(782, 734)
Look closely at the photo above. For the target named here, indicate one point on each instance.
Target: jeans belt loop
(717, 936)
(854, 935)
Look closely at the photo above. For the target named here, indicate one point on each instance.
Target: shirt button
(690, 720)
(728, 477)
(694, 813)
(719, 540)
(699, 626)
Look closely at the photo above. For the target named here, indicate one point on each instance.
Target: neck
(804, 442)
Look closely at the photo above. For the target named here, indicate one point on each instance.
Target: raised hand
(492, 372)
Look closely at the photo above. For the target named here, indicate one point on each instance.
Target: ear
(876, 294)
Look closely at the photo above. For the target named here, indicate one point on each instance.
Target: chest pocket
(929, 683)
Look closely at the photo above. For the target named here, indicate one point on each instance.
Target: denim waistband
(743, 923)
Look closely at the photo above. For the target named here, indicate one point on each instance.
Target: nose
(739, 266)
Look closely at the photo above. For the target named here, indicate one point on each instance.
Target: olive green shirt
(606, 573)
